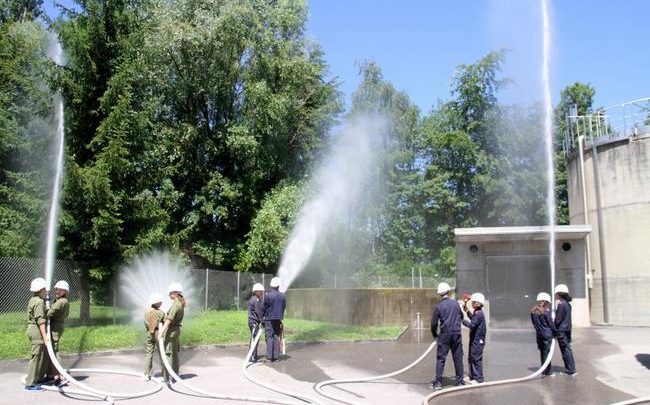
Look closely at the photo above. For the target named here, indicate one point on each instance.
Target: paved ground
(613, 365)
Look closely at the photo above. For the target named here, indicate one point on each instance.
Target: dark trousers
(564, 340)
(445, 342)
(273, 330)
(254, 328)
(475, 359)
(544, 346)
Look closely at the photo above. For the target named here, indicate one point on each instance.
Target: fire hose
(179, 380)
(426, 400)
(319, 386)
(87, 390)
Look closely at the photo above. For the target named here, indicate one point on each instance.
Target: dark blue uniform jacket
(450, 316)
(476, 325)
(255, 310)
(543, 324)
(274, 304)
(563, 316)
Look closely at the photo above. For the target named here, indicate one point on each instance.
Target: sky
(419, 44)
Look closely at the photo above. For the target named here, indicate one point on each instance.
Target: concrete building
(510, 265)
(608, 167)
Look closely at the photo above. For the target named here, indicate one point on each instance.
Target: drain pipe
(585, 212)
(601, 232)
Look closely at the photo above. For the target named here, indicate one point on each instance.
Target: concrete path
(613, 365)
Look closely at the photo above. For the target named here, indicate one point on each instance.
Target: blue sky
(419, 43)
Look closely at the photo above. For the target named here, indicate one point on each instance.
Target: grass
(210, 327)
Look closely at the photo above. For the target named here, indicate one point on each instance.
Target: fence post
(412, 277)
(238, 275)
(420, 272)
(335, 281)
(263, 282)
(207, 274)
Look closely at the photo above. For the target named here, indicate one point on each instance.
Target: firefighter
(153, 316)
(540, 316)
(255, 315)
(171, 328)
(478, 330)
(274, 304)
(57, 314)
(449, 315)
(563, 326)
(36, 319)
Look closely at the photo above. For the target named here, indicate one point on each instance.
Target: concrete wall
(624, 168)
(362, 306)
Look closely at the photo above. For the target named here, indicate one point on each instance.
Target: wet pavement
(613, 365)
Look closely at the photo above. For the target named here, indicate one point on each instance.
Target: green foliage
(270, 229)
(25, 109)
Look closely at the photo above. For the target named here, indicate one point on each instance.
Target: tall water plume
(153, 273)
(56, 53)
(548, 136)
(339, 184)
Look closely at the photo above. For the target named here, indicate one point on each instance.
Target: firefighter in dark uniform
(449, 315)
(36, 319)
(274, 305)
(255, 315)
(478, 330)
(563, 326)
(540, 316)
(153, 316)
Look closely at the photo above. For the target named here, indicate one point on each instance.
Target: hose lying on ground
(87, 390)
(319, 386)
(270, 387)
(434, 394)
(179, 380)
(639, 400)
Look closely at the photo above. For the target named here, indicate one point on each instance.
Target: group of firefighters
(266, 309)
(447, 319)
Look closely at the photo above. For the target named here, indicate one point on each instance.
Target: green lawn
(211, 327)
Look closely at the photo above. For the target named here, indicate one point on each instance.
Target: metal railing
(624, 120)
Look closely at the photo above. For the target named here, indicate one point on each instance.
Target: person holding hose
(171, 328)
(153, 316)
(449, 315)
(255, 315)
(274, 305)
(36, 319)
(57, 314)
(542, 319)
(478, 330)
(563, 326)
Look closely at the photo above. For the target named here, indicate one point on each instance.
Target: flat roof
(510, 233)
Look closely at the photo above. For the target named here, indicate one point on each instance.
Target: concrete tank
(623, 169)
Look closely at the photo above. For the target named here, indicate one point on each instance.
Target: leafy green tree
(20, 10)
(25, 112)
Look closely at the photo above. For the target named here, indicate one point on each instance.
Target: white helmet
(62, 285)
(175, 287)
(38, 284)
(443, 288)
(275, 282)
(561, 288)
(154, 298)
(258, 287)
(478, 297)
(543, 297)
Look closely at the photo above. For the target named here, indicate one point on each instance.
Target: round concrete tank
(618, 169)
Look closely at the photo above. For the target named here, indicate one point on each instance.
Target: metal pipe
(601, 232)
(585, 211)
